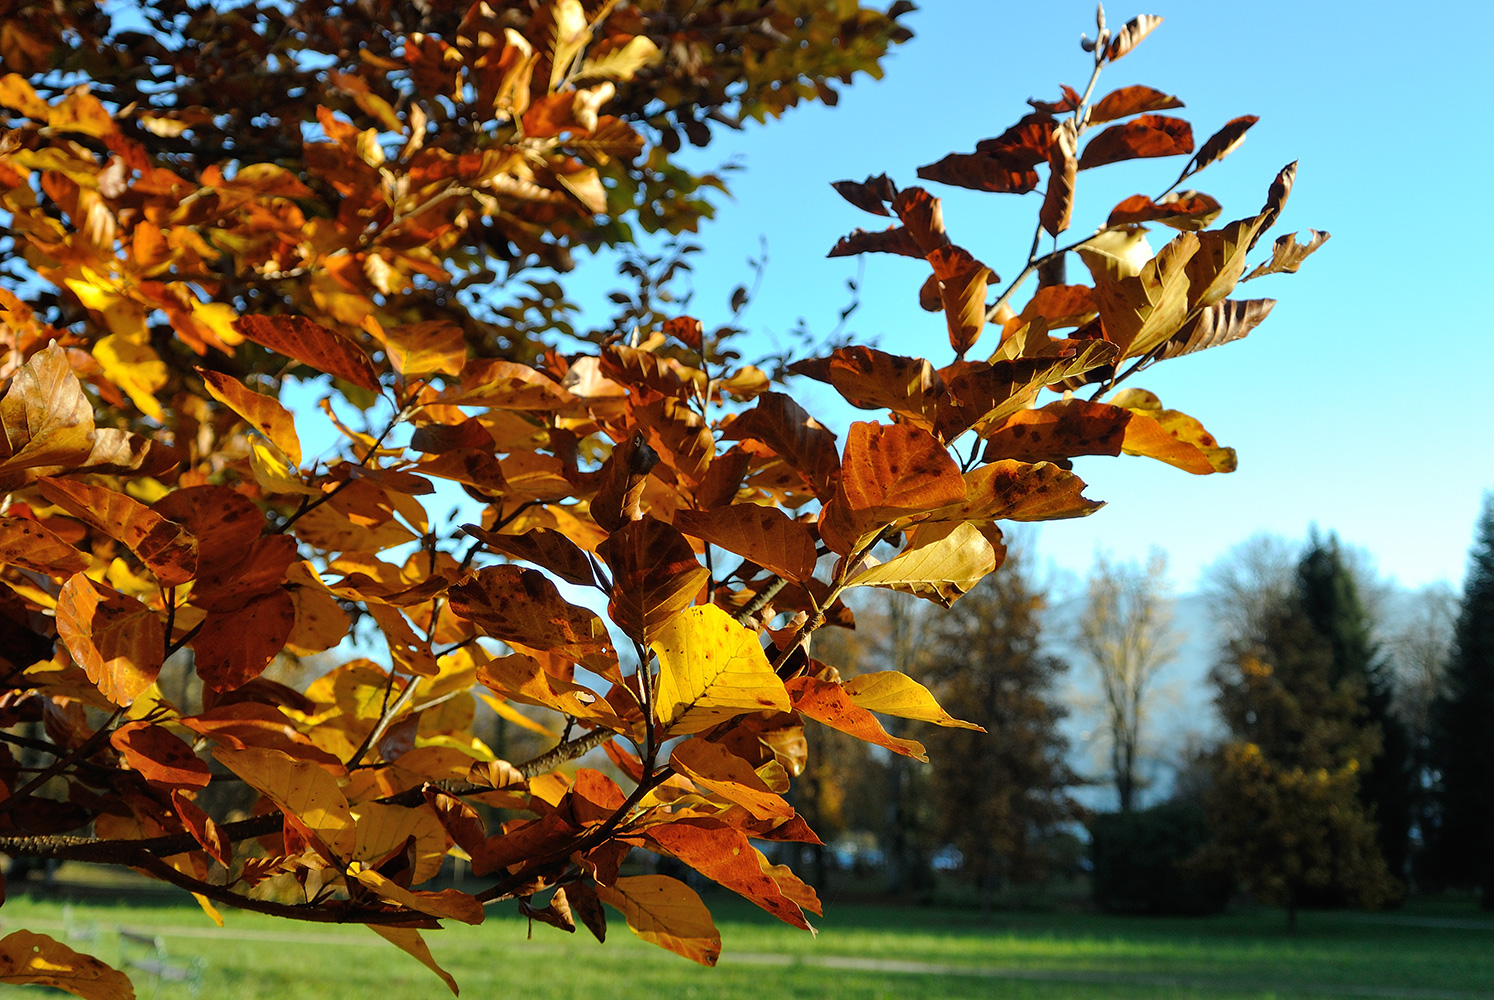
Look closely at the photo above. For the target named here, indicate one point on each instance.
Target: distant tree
(999, 794)
(1242, 586)
(1285, 806)
(1419, 647)
(1126, 633)
(1330, 598)
(1462, 749)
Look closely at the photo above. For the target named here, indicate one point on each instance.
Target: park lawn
(936, 953)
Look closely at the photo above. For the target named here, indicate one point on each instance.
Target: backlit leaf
(1146, 136)
(713, 766)
(1217, 324)
(711, 669)
(167, 549)
(1170, 436)
(313, 345)
(408, 940)
(298, 787)
(764, 535)
(1222, 143)
(665, 912)
(1287, 254)
(263, 413)
(118, 641)
(891, 693)
(522, 606)
(34, 546)
(723, 854)
(942, 562)
(1140, 312)
(27, 958)
(828, 703)
(235, 646)
(47, 419)
(160, 756)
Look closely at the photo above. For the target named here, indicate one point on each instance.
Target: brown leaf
(522, 606)
(923, 217)
(1068, 102)
(802, 442)
(1287, 254)
(1128, 101)
(1025, 144)
(980, 172)
(1058, 202)
(544, 547)
(1276, 199)
(1061, 305)
(168, 550)
(1131, 35)
(1221, 143)
(1059, 431)
(887, 472)
(313, 345)
(1217, 324)
(873, 380)
(676, 432)
(870, 195)
(118, 641)
(27, 958)
(987, 392)
(587, 906)
(1141, 311)
(160, 756)
(1147, 136)
(655, 574)
(962, 288)
(765, 535)
(1186, 210)
(234, 647)
(894, 239)
(1019, 491)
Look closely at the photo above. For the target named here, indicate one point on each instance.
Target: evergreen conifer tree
(1461, 844)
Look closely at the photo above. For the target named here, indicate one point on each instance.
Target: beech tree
(198, 209)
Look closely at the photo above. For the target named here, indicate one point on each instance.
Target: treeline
(1354, 766)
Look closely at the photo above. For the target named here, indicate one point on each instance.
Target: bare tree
(1127, 635)
(1245, 583)
(1418, 643)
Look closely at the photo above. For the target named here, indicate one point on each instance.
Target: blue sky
(1361, 405)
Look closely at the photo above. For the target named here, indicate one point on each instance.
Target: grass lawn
(1426, 952)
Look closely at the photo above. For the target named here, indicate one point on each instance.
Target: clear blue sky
(1362, 405)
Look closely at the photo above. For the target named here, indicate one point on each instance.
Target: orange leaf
(828, 703)
(545, 547)
(118, 641)
(263, 413)
(160, 756)
(202, 828)
(1058, 431)
(667, 913)
(1019, 491)
(313, 345)
(1128, 101)
(887, 472)
(713, 766)
(32, 545)
(167, 549)
(299, 788)
(723, 854)
(47, 419)
(802, 442)
(27, 958)
(1186, 210)
(764, 535)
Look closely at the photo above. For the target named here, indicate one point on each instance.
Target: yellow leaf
(133, 365)
(408, 940)
(944, 560)
(667, 913)
(891, 693)
(383, 828)
(263, 413)
(713, 766)
(1171, 436)
(300, 788)
(711, 669)
(446, 903)
(621, 63)
(35, 958)
(1141, 311)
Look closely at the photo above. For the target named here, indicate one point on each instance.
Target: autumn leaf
(34, 546)
(261, 412)
(828, 703)
(655, 574)
(1287, 254)
(522, 606)
(711, 669)
(942, 561)
(313, 345)
(298, 787)
(167, 549)
(1221, 143)
(1145, 136)
(235, 646)
(1130, 35)
(665, 912)
(712, 766)
(887, 472)
(1141, 312)
(27, 958)
(1186, 210)
(1217, 324)
(763, 535)
(891, 693)
(1170, 436)
(1058, 202)
(47, 420)
(408, 940)
(1128, 101)
(118, 641)
(160, 756)
(723, 854)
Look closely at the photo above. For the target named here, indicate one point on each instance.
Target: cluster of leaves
(718, 523)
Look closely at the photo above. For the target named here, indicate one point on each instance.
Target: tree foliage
(1000, 791)
(1331, 601)
(201, 201)
(1285, 804)
(1461, 752)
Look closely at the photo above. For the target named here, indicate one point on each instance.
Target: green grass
(1041, 956)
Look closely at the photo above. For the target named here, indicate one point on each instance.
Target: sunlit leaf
(889, 692)
(313, 345)
(27, 958)
(665, 912)
(118, 641)
(828, 703)
(167, 549)
(711, 669)
(1146, 136)
(942, 562)
(1287, 254)
(298, 787)
(263, 413)
(764, 535)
